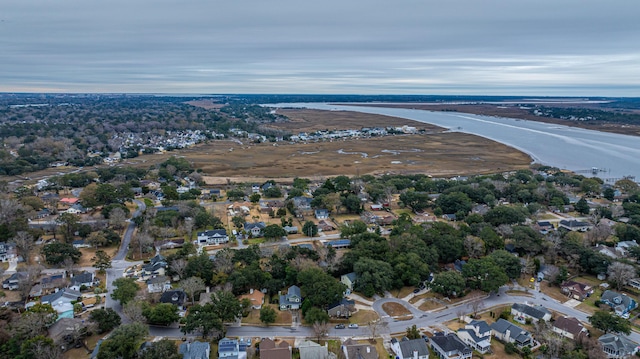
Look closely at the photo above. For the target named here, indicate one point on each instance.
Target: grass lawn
(89, 253)
(363, 316)
(416, 298)
(397, 311)
(284, 317)
(430, 305)
(519, 293)
(402, 292)
(498, 351)
(553, 292)
(256, 240)
(588, 304)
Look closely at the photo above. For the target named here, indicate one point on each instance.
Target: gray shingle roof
(450, 343)
(195, 350)
(537, 312)
(409, 346)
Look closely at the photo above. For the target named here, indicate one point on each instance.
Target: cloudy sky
(506, 47)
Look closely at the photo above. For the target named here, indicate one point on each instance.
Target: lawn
(397, 311)
(430, 305)
(553, 292)
(363, 316)
(284, 317)
(89, 253)
(402, 292)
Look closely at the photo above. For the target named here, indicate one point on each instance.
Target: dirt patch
(88, 253)
(363, 316)
(205, 103)
(396, 310)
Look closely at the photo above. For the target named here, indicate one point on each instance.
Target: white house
(158, 284)
(212, 237)
(410, 349)
(84, 279)
(477, 334)
(522, 312)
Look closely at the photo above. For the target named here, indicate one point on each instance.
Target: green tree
(413, 332)
(508, 262)
(310, 229)
(226, 305)
(582, 206)
(484, 274)
(204, 319)
(238, 221)
(504, 215)
(254, 198)
(450, 283)
(590, 186)
(68, 223)
(609, 193)
(56, 252)
(272, 192)
(200, 266)
(608, 322)
(105, 319)
(417, 201)
(125, 290)
(454, 202)
(268, 315)
(374, 276)
(319, 288)
(124, 342)
(235, 195)
(352, 203)
(274, 231)
(316, 315)
(161, 314)
(162, 349)
(101, 261)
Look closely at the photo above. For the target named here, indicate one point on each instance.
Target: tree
(161, 314)
(582, 206)
(620, 274)
(117, 218)
(102, 261)
(24, 245)
(105, 319)
(590, 186)
(310, 229)
(56, 252)
(238, 221)
(450, 283)
(476, 306)
(40, 347)
(454, 202)
(235, 195)
(68, 222)
(508, 262)
(125, 290)
(124, 342)
(179, 267)
(504, 215)
(227, 306)
(319, 288)
(203, 318)
(254, 198)
(474, 246)
(374, 326)
(316, 315)
(608, 322)
(320, 329)
(192, 286)
(274, 231)
(268, 315)
(484, 274)
(374, 276)
(417, 201)
(162, 349)
(133, 311)
(413, 332)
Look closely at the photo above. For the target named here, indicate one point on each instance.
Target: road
(118, 264)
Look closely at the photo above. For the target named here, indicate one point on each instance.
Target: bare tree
(144, 241)
(476, 306)
(27, 279)
(68, 265)
(24, 245)
(192, 285)
(620, 274)
(179, 266)
(188, 227)
(320, 329)
(133, 311)
(117, 217)
(598, 233)
(374, 327)
(224, 261)
(474, 246)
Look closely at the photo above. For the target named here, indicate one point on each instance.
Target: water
(571, 148)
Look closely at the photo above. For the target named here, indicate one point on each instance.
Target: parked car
(417, 290)
(353, 326)
(340, 326)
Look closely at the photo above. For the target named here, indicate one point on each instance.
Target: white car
(353, 326)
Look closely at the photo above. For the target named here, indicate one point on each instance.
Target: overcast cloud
(507, 47)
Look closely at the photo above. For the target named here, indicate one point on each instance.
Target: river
(609, 156)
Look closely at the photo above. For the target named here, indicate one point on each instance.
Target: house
(13, 282)
(270, 350)
(176, 297)
(511, 333)
(7, 252)
(325, 226)
(255, 229)
(158, 284)
(155, 267)
(449, 346)
(313, 350)
(569, 327)
(45, 212)
(195, 350)
(410, 349)
(321, 213)
(576, 290)
(255, 188)
(255, 296)
(607, 251)
(624, 247)
(618, 346)
(575, 225)
(342, 309)
(621, 303)
(544, 227)
(635, 283)
(290, 229)
(449, 216)
(229, 348)
(349, 280)
(84, 279)
(67, 201)
(61, 301)
(213, 237)
(377, 207)
(522, 312)
(66, 332)
(302, 203)
(53, 282)
(339, 243)
(169, 243)
(76, 209)
(292, 299)
(477, 335)
(80, 243)
(353, 350)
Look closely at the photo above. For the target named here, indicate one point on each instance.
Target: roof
(415, 345)
(573, 223)
(343, 301)
(615, 298)
(339, 243)
(63, 327)
(84, 277)
(176, 297)
(256, 297)
(213, 232)
(65, 292)
(482, 326)
(249, 226)
(618, 343)
(69, 200)
(360, 351)
(228, 346)
(294, 290)
(449, 343)
(517, 333)
(537, 312)
(195, 350)
(351, 276)
(269, 350)
(569, 324)
(312, 350)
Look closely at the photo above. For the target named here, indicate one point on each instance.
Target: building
(621, 303)
(158, 284)
(569, 327)
(353, 350)
(213, 237)
(321, 213)
(313, 350)
(617, 346)
(291, 300)
(229, 349)
(339, 243)
(255, 296)
(522, 312)
(576, 290)
(575, 225)
(410, 349)
(78, 281)
(270, 350)
(255, 229)
(349, 280)
(449, 346)
(477, 335)
(155, 267)
(176, 297)
(342, 309)
(195, 350)
(511, 333)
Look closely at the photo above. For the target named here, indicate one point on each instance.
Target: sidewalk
(12, 266)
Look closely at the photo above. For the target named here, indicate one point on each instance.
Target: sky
(456, 47)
